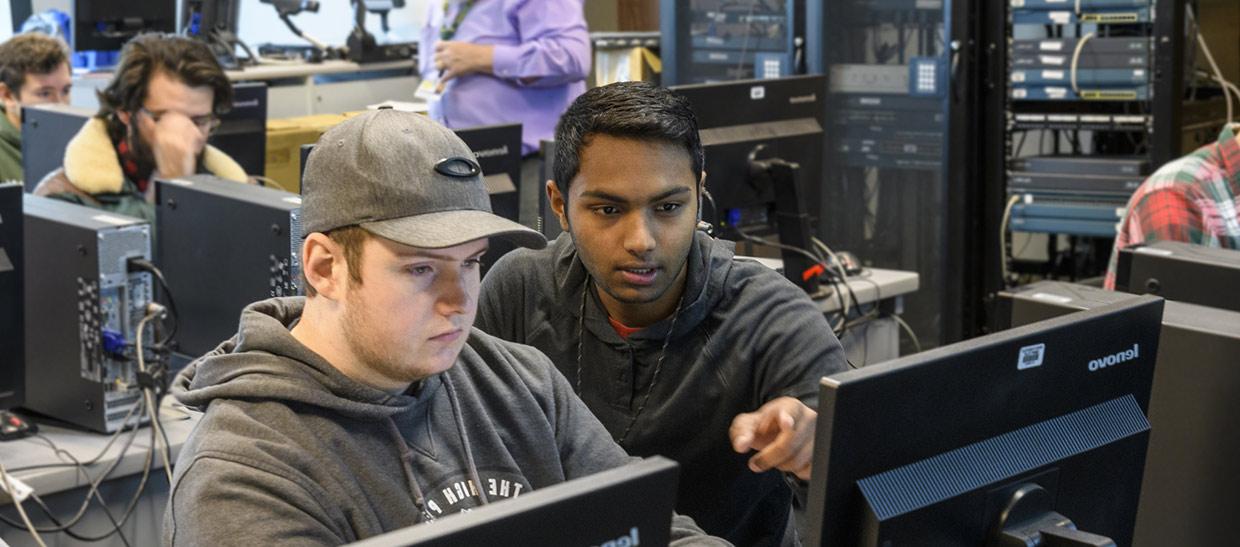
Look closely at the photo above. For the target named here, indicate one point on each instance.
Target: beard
(372, 352)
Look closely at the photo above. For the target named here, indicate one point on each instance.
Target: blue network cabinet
(707, 41)
(899, 166)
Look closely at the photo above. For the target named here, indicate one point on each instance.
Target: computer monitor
(1180, 271)
(1192, 471)
(498, 149)
(629, 505)
(243, 130)
(1006, 437)
(215, 23)
(11, 19)
(12, 316)
(764, 143)
(757, 119)
(46, 132)
(105, 25)
(222, 246)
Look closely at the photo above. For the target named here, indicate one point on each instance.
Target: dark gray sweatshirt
(292, 452)
(745, 336)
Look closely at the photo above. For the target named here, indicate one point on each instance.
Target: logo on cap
(458, 167)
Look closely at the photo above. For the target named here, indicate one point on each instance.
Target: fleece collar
(92, 166)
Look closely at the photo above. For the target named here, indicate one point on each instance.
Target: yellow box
(284, 140)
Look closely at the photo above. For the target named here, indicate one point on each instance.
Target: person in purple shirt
(485, 62)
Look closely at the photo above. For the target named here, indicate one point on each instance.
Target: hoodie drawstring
(460, 429)
(406, 455)
(406, 462)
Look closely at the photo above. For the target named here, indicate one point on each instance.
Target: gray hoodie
(292, 452)
(745, 336)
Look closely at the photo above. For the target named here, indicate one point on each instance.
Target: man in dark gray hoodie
(678, 348)
(371, 405)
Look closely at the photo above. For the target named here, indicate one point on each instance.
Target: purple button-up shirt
(542, 57)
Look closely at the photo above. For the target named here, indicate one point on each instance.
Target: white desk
(877, 339)
(64, 488)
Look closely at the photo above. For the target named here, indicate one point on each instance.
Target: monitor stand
(793, 223)
(1028, 521)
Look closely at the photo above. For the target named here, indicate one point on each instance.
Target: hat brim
(452, 228)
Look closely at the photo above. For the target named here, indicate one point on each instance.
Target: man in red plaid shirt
(1195, 199)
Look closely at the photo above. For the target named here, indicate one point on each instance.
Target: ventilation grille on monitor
(968, 468)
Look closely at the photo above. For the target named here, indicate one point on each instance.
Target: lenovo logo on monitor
(1115, 359)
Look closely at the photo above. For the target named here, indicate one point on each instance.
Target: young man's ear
(12, 106)
(7, 94)
(322, 265)
(556, 199)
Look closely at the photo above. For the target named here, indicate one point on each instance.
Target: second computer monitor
(105, 25)
(1016, 433)
(630, 505)
(757, 120)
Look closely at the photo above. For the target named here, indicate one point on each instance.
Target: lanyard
(449, 31)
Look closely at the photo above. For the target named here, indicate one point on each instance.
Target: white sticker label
(1018, 76)
(1051, 45)
(1060, 17)
(1153, 251)
(1058, 299)
(757, 92)
(1031, 356)
(115, 221)
(1053, 74)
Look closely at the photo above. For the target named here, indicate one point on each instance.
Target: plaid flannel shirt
(1194, 199)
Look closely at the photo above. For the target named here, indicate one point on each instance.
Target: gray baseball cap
(402, 177)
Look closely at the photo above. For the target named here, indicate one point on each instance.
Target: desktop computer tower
(221, 246)
(12, 318)
(85, 306)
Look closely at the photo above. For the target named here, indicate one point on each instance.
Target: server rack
(898, 185)
(1111, 84)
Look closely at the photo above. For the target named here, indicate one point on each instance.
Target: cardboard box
(626, 65)
(284, 140)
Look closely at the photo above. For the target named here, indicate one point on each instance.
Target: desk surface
(871, 285)
(85, 445)
(300, 70)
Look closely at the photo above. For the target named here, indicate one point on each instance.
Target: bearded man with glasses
(153, 122)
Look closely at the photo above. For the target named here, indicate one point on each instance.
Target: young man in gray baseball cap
(371, 404)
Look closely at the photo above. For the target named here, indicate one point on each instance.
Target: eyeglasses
(207, 124)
